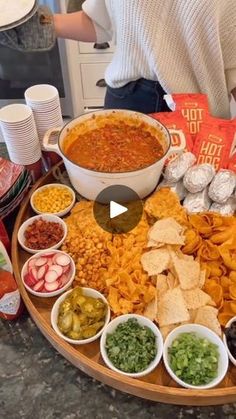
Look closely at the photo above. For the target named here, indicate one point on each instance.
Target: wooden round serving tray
(157, 386)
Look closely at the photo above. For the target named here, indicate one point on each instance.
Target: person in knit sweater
(171, 46)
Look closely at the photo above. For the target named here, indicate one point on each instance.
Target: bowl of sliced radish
(48, 273)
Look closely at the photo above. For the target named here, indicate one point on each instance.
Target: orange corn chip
(228, 254)
(232, 276)
(214, 268)
(201, 224)
(226, 308)
(208, 251)
(215, 291)
(222, 237)
(232, 291)
(192, 242)
(225, 282)
(224, 318)
(233, 306)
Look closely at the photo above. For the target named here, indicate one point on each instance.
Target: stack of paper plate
(16, 12)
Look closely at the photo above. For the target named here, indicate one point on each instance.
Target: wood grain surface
(157, 386)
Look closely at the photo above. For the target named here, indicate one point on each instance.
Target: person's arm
(77, 26)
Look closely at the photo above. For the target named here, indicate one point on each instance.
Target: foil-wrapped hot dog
(228, 208)
(198, 177)
(176, 169)
(222, 186)
(176, 187)
(197, 202)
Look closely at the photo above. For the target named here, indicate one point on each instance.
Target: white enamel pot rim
(93, 173)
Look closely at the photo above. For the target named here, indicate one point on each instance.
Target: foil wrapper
(176, 169)
(228, 208)
(222, 186)
(197, 202)
(198, 177)
(176, 187)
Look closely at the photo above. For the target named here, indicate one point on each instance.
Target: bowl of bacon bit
(47, 274)
(42, 232)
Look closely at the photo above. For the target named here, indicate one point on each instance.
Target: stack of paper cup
(20, 135)
(45, 103)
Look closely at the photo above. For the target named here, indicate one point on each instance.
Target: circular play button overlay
(118, 209)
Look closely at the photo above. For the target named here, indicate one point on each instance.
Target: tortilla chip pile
(178, 279)
(211, 238)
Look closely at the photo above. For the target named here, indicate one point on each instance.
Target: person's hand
(37, 34)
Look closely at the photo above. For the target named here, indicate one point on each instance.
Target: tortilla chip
(172, 281)
(171, 308)
(151, 310)
(202, 279)
(196, 298)
(188, 273)
(167, 231)
(155, 261)
(207, 316)
(192, 314)
(165, 330)
(153, 243)
(161, 285)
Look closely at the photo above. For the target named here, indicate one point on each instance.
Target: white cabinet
(93, 61)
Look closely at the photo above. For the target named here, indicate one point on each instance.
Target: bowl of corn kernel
(53, 198)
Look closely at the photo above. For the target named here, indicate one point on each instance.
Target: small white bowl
(232, 359)
(143, 321)
(58, 185)
(53, 293)
(90, 292)
(204, 332)
(46, 217)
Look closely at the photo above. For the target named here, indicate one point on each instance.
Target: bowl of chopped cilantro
(195, 357)
(132, 345)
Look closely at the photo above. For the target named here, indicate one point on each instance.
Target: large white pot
(90, 183)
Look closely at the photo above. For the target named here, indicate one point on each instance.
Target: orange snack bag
(175, 121)
(214, 142)
(194, 108)
(232, 163)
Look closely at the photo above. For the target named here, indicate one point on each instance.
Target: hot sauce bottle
(11, 305)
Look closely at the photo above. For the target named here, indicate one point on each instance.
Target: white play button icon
(116, 209)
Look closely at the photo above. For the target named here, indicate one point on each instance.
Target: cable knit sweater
(187, 45)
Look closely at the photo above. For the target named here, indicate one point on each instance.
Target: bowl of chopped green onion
(195, 356)
(132, 345)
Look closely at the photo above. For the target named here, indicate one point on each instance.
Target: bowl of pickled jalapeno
(80, 315)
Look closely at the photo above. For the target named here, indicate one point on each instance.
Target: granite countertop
(38, 383)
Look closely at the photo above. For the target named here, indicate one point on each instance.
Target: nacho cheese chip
(171, 308)
(155, 261)
(165, 203)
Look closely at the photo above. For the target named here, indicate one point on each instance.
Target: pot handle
(181, 142)
(47, 145)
